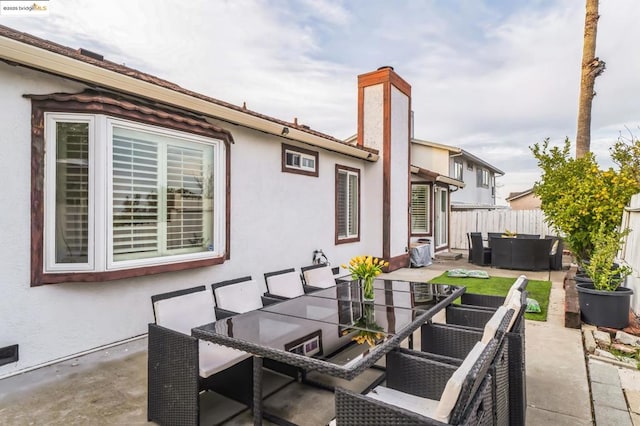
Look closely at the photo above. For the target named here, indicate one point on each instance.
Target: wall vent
(8, 354)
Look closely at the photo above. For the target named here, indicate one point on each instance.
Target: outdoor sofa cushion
(285, 285)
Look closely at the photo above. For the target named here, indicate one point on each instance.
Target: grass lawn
(538, 290)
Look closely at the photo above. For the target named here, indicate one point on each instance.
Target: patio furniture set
(468, 371)
(526, 252)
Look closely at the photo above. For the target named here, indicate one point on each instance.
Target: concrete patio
(109, 386)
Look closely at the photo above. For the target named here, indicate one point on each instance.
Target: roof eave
(38, 58)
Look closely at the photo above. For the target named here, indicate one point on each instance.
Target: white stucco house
(123, 185)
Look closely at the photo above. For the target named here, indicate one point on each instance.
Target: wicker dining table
(314, 332)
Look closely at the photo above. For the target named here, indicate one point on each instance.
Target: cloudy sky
(490, 76)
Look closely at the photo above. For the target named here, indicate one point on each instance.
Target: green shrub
(578, 197)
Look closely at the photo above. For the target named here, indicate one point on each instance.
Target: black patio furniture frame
(350, 371)
(475, 317)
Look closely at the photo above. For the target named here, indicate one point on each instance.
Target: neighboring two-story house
(445, 177)
(479, 177)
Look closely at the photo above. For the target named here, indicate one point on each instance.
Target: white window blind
(420, 213)
(162, 195)
(135, 196)
(347, 204)
(185, 198)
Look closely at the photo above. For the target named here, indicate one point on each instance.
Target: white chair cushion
(320, 277)
(452, 389)
(492, 325)
(515, 286)
(416, 404)
(515, 303)
(285, 285)
(182, 313)
(239, 297)
(213, 358)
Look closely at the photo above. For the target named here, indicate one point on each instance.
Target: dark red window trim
(352, 239)
(287, 169)
(91, 102)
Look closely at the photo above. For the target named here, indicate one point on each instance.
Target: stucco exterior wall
(371, 215)
(430, 158)
(373, 116)
(399, 172)
(277, 220)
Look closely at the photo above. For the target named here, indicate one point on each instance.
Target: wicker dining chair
(451, 344)
(181, 367)
(423, 391)
(476, 317)
(316, 277)
(284, 284)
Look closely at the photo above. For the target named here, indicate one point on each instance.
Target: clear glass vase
(367, 289)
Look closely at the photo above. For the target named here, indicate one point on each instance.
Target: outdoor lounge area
(525, 252)
(74, 397)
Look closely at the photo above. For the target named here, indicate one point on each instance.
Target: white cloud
(492, 77)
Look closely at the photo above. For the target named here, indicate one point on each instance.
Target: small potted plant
(603, 301)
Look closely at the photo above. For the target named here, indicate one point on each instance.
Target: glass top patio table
(328, 335)
(401, 294)
(346, 314)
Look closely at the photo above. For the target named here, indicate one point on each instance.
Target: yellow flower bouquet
(366, 269)
(366, 328)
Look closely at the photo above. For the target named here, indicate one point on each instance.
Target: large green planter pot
(604, 308)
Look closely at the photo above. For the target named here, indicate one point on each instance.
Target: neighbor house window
(457, 168)
(299, 160)
(483, 178)
(420, 208)
(120, 195)
(469, 165)
(347, 204)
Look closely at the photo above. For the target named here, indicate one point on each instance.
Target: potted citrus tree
(584, 203)
(603, 301)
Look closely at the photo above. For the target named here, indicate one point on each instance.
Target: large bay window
(124, 198)
(347, 204)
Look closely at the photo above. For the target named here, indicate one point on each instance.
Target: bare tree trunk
(592, 67)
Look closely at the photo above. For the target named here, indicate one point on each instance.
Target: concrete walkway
(109, 386)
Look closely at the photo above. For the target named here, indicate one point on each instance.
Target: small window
(457, 168)
(469, 165)
(299, 160)
(420, 208)
(483, 178)
(347, 204)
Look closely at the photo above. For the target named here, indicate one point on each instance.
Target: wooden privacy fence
(518, 221)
